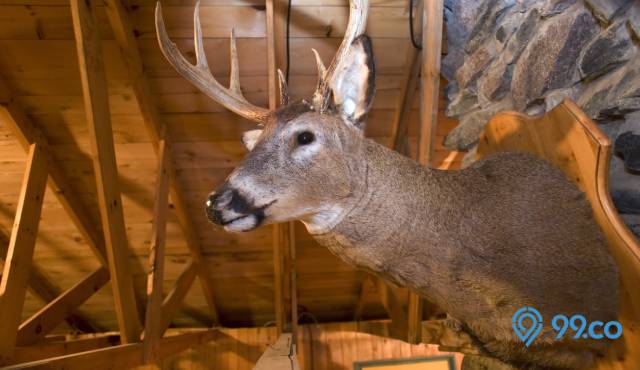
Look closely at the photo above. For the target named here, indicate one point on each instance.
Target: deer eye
(305, 137)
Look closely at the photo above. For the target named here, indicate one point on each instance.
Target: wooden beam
(174, 299)
(153, 317)
(37, 326)
(62, 348)
(124, 356)
(430, 87)
(26, 133)
(42, 288)
(96, 104)
(17, 268)
(283, 234)
(414, 318)
(279, 356)
(123, 32)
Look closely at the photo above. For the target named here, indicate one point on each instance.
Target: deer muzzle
(228, 207)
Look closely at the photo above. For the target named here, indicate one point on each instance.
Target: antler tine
(284, 91)
(201, 57)
(234, 78)
(358, 10)
(201, 76)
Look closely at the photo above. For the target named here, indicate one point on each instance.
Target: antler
(358, 10)
(201, 76)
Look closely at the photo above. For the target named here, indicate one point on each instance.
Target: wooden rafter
(43, 289)
(48, 318)
(17, 268)
(430, 84)
(283, 234)
(174, 299)
(26, 134)
(153, 317)
(96, 104)
(120, 23)
(123, 356)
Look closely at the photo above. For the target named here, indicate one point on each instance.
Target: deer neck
(393, 218)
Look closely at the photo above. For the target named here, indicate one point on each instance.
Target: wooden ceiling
(39, 62)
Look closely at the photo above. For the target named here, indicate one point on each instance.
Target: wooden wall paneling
(37, 326)
(12, 114)
(430, 88)
(96, 105)
(174, 299)
(153, 317)
(123, 356)
(17, 267)
(121, 25)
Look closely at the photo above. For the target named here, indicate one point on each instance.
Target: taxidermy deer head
(300, 160)
(508, 232)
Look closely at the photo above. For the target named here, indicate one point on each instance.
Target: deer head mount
(301, 134)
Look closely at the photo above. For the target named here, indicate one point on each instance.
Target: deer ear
(249, 138)
(353, 85)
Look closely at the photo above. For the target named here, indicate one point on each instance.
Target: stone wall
(528, 55)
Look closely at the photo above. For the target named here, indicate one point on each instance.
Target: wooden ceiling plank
(174, 299)
(123, 32)
(124, 356)
(40, 324)
(96, 104)
(155, 278)
(27, 133)
(17, 268)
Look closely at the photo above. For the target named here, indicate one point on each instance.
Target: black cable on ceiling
(413, 39)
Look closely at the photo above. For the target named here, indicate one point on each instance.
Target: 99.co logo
(582, 329)
(527, 325)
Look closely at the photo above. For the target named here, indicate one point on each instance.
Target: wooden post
(153, 318)
(17, 268)
(283, 234)
(431, 54)
(96, 104)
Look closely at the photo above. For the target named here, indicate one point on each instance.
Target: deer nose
(214, 214)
